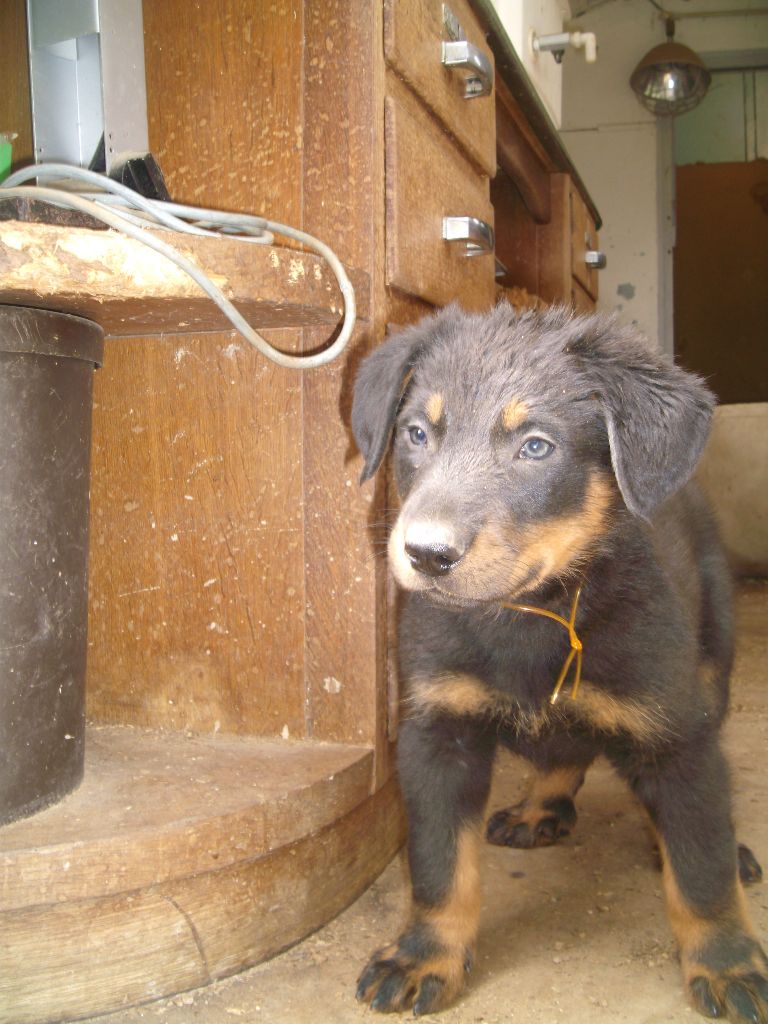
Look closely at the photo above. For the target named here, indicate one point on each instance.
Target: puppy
(565, 595)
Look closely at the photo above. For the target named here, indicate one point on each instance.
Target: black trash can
(46, 376)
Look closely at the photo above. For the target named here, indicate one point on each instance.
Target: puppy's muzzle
(433, 560)
(432, 549)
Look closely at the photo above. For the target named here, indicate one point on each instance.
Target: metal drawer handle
(476, 235)
(466, 57)
(595, 259)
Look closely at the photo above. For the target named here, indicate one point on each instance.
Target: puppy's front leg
(725, 969)
(445, 771)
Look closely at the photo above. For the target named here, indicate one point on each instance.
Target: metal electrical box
(86, 61)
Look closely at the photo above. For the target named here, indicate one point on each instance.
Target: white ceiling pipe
(557, 44)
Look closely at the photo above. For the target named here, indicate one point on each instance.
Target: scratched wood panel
(196, 611)
(224, 102)
(344, 653)
(197, 580)
(15, 106)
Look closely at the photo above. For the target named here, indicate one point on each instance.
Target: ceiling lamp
(670, 78)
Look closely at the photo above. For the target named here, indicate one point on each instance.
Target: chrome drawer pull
(476, 234)
(595, 259)
(466, 57)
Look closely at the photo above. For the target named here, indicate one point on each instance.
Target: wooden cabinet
(414, 34)
(545, 261)
(240, 632)
(545, 219)
(585, 253)
(440, 145)
(428, 179)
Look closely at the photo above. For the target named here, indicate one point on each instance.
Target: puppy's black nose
(432, 559)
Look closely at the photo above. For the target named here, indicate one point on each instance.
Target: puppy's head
(516, 437)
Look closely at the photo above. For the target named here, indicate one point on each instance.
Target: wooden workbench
(241, 690)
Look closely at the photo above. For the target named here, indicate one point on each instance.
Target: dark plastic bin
(46, 375)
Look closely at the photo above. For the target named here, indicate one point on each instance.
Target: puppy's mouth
(503, 559)
(437, 595)
(461, 598)
(474, 574)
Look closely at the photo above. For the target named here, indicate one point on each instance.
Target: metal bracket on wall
(86, 60)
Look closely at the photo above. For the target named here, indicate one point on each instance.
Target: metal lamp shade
(670, 79)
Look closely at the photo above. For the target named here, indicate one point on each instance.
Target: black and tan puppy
(542, 461)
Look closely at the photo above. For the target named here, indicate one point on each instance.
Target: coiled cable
(134, 215)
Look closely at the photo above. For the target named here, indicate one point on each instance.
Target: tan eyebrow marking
(434, 407)
(513, 414)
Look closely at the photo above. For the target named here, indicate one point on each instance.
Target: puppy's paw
(749, 866)
(413, 973)
(730, 980)
(526, 825)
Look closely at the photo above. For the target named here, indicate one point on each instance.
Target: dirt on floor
(576, 932)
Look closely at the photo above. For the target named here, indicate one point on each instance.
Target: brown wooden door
(721, 276)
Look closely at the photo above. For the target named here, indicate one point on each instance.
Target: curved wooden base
(178, 861)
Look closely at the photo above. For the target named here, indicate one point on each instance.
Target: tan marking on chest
(600, 712)
(644, 721)
(459, 694)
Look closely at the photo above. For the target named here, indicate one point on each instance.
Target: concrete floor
(573, 933)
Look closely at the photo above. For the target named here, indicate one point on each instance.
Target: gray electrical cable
(172, 215)
(175, 217)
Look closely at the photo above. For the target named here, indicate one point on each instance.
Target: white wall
(544, 17)
(622, 154)
(618, 165)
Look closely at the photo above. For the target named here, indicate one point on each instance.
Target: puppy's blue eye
(536, 448)
(418, 436)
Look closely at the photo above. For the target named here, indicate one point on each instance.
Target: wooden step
(180, 860)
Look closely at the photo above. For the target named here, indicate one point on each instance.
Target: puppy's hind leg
(546, 814)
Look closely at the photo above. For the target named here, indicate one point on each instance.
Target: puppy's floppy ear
(657, 415)
(379, 387)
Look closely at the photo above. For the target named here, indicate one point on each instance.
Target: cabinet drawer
(414, 32)
(427, 180)
(581, 300)
(583, 239)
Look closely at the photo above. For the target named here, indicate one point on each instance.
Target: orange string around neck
(576, 644)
